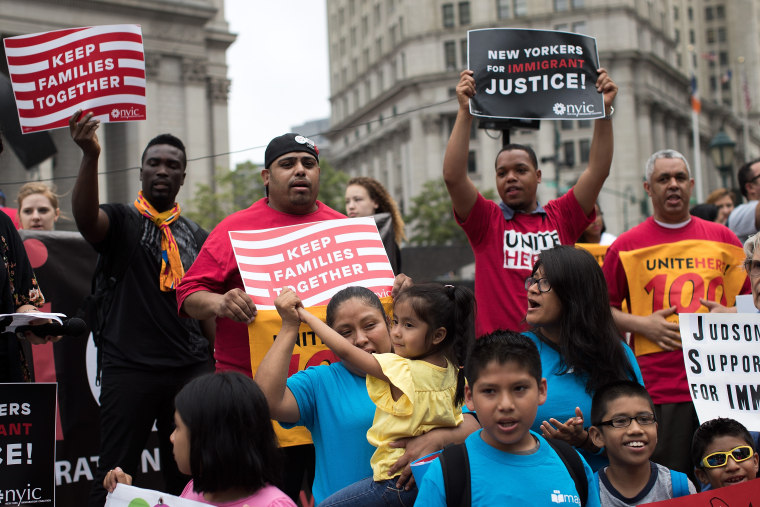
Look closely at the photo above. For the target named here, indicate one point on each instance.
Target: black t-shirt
(143, 329)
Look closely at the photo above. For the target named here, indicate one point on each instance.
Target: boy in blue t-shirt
(623, 422)
(509, 464)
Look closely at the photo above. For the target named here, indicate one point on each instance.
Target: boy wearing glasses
(723, 453)
(623, 422)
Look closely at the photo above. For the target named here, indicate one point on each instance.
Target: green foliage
(431, 216)
(332, 186)
(238, 189)
(235, 190)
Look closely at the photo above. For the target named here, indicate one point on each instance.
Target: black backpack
(455, 465)
(109, 271)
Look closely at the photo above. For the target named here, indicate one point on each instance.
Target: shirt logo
(558, 497)
(521, 249)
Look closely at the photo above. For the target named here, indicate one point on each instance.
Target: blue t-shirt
(502, 478)
(336, 408)
(565, 392)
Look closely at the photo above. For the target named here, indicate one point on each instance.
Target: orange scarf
(172, 270)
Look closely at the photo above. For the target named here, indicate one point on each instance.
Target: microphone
(70, 327)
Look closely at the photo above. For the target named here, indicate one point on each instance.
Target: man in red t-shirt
(669, 264)
(507, 237)
(212, 287)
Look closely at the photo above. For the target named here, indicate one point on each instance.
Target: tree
(332, 186)
(235, 190)
(431, 216)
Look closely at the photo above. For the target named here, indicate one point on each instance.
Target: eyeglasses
(623, 421)
(754, 179)
(720, 458)
(753, 268)
(544, 285)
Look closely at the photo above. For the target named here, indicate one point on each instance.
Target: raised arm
(461, 188)
(271, 375)
(359, 359)
(91, 221)
(602, 145)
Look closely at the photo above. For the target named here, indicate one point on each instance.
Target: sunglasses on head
(720, 458)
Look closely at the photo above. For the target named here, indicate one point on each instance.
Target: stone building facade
(186, 72)
(394, 65)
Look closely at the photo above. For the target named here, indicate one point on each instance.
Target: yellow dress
(426, 403)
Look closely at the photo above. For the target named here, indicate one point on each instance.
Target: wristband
(609, 116)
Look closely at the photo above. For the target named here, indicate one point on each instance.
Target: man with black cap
(213, 286)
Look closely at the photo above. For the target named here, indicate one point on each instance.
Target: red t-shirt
(215, 270)
(505, 251)
(663, 371)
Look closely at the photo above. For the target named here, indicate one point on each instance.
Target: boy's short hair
(502, 346)
(710, 430)
(612, 391)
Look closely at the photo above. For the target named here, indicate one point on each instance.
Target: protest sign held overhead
(99, 69)
(722, 356)
(532, 74)
(27, 443)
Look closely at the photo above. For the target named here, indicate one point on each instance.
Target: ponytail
(452, 308)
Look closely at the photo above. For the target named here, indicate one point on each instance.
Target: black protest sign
(534, 74)
(27, 444)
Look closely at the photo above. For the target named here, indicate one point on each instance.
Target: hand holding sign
(606, 86)
(83, 132)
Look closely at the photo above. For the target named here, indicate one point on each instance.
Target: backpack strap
(109, 271)
(680, 483)
(574, 465)
(199, 233)
(455, 465)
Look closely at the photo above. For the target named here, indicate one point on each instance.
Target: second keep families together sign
(532, 74)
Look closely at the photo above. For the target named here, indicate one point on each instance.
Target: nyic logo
(126, 113)
(574, 110)
(558, 497)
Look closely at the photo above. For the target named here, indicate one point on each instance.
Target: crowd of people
(551, 354)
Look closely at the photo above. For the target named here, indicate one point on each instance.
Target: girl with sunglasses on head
(580, 346)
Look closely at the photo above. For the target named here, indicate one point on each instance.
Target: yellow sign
(678, 274)
(595, 249)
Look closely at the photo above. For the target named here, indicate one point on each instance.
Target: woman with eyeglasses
(580, 346)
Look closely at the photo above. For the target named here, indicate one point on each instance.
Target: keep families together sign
(98, 68)
(530, 74)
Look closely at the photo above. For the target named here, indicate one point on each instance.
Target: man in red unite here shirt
(669, 264)
(507, 237)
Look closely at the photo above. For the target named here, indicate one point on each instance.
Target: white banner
(721, 352)
(130, 496)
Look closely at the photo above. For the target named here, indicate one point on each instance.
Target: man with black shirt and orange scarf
(148, 352)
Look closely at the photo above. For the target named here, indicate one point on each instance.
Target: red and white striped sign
(316, 260)
(97, 68)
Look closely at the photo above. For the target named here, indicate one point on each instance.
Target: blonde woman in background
(368, 197)
(38, 207)
(725, 201)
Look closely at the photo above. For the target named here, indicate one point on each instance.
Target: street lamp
(722, 154)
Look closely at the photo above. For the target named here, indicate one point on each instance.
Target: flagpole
(695, 107)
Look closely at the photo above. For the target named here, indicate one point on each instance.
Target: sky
(279, 71)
